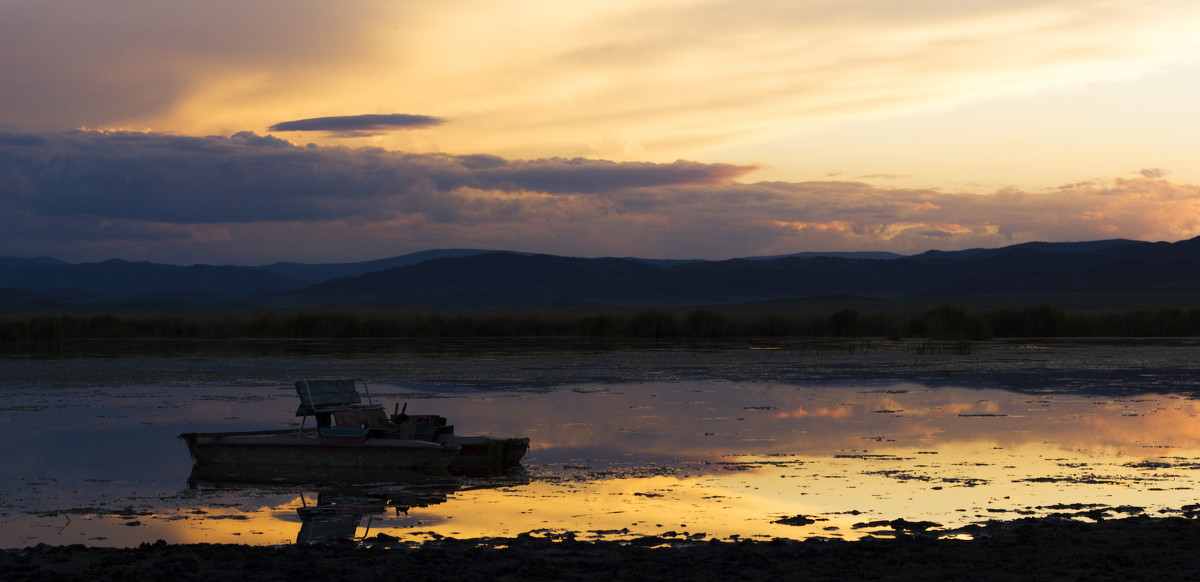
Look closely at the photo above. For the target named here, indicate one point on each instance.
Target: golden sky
(834, 125)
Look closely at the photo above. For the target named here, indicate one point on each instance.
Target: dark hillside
(1099, 274)
(486, 280)
(117, 279)
(317, 273)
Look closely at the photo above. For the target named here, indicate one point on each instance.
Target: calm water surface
(98, 463)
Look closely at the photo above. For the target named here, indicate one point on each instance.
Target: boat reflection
(345, 496)
(338, 513)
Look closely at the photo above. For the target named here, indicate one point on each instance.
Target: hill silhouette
(1111, 273)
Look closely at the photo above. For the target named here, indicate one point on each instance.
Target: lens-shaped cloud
(359, 125)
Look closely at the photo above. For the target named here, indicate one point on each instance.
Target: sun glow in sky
(251, 132)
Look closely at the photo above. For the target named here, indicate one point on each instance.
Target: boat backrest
(326, 396)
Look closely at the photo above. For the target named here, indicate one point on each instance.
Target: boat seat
(322, 396)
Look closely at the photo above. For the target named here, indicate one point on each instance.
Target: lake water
(90, 453)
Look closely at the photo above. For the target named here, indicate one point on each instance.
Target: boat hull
(290, 448)
(485, 455)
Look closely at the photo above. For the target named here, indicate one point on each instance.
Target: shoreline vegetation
(942, 322)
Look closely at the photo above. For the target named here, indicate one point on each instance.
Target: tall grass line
(942, 322)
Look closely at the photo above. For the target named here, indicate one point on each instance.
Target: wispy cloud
(534, 79)
(249, 198)
(359, 125)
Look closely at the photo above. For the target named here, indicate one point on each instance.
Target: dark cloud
(252, 178)
(249, 198)
(359, 125)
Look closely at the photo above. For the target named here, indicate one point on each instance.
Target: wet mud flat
(1136, 548)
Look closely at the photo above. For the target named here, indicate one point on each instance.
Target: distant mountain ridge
(1045, 247)
(317, 273)
(1120, 272)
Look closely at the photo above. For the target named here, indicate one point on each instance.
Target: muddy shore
(1048, 549)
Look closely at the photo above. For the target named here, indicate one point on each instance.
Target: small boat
(350, 434)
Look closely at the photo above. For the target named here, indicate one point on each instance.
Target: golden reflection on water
(707, 460)
(959, 485)
(722, 460)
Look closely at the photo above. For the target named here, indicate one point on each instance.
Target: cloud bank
(249, 199)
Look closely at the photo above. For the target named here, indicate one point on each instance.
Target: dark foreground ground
(1127, 549)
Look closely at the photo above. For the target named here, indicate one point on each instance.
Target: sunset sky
(257, 131)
